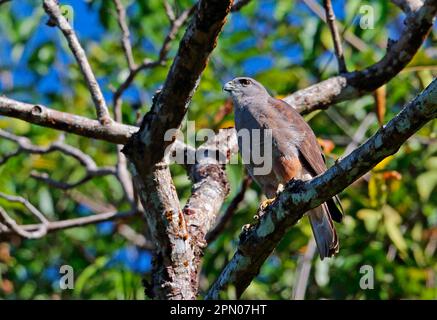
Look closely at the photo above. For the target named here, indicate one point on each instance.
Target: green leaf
(426, 182)
(370, 217)
(392, 221)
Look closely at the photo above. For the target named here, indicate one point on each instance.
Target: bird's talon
(245, 228)
(266, 203)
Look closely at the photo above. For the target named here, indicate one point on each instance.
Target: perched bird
(295, 152)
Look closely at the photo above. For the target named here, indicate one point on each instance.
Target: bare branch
(90, 174)
(124, 176)
(173, 256)
(258, 240)
(27, 204)
(47, 117)
(35, 231)
(9, 226)
(135, 238)
(10, 223)
(303, 271)
(169, 11)
(162, 56)
(330, 17)
(354, 84)
(351, 38)
(125, 40)
(229, 213)
(210, 188)
(52, 9)
(25, 145)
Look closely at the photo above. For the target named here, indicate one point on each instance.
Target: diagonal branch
(210, 188)
(330, 18)
(125, 40)
(354, 84)
(259, 240)
(56, 17)
(349, 37)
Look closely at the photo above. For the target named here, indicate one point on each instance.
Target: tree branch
(354, 84)
(259, 240)
(52, 9)
(230, 210)
(36, 231)
(210, 188)
(173, 258)
(125, 40)
(25, 145)
(330, 18)
(162, 56)
(351, 38)
(47, 117)
(9, 226)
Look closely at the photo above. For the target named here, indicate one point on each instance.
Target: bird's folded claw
(266, 203)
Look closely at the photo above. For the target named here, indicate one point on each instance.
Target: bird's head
(244, 87)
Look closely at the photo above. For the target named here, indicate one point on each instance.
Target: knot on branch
(36, 110)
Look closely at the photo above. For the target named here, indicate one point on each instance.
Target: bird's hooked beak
(229, 86)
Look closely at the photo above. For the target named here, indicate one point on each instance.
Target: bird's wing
(308, 148)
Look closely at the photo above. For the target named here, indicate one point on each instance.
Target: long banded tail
(324, 231)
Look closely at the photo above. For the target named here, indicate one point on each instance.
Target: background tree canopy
(391, 212)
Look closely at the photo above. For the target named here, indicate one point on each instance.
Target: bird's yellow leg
(267, 202)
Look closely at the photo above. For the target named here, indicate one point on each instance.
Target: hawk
(295, 152)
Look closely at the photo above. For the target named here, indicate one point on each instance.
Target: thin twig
(330, 19)
(169, 11)
(26, 146)
(12, 225)
(134, 237)
(351, 38)
(303, 271)
(52, 9)
(162, 56)
(27, 204)
(125, 40)
(34, 231)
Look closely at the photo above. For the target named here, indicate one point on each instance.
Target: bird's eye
(245, 82)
